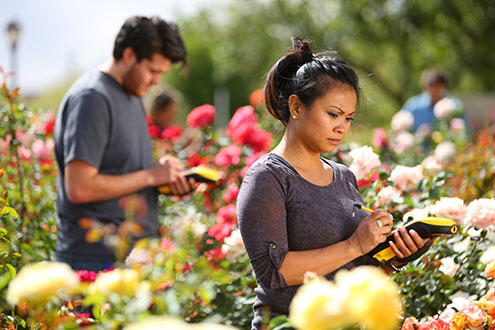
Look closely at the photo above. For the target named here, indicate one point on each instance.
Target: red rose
(227, 156)
(149, 120)
(243, 117)
(167, 245)
(171, 133)
(220, 231)
(49, 127)
(194, 160)
(154, 131)
(201, 116)
(231, 194)
(215, 255)
(226, 215)
(259, 140)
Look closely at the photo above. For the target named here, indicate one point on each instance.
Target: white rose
(402, 121)
(449, 267)
(444, 108)
(233, 247)
(445, 152)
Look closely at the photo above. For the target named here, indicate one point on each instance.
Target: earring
(294, 117)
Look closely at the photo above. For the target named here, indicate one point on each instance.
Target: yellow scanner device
(426, 228)
(198, 173)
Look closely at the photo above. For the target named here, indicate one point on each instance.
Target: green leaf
(12, 270)
(8, 210)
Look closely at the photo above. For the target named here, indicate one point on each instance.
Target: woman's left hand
(406, 243)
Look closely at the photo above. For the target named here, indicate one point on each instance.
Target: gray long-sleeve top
(279, 211)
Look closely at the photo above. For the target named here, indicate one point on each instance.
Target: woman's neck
(298, 155)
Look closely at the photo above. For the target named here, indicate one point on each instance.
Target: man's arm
(84, 184)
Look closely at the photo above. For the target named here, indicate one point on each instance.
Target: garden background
(198, 271)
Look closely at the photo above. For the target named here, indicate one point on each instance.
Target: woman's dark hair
(306, 75)
(147, 36)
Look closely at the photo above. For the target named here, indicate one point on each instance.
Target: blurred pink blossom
(402, 142)
(406, 177)
(449, 207)
(43, 149)
(387, 194)
(458, 125)
(481, 212)
(380, 138)
(364, 160)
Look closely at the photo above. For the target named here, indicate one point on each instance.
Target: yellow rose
(372, 298)
(37, 283)
(121, 281)
(318, 305)
(458, 321)
(158, 323)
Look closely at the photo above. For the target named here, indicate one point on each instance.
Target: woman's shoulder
(341, 170)
(269, 165)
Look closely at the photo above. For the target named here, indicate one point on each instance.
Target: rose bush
(198, 270)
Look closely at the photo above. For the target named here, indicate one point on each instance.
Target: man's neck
(114, 69)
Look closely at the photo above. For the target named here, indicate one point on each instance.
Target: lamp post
(13, 31)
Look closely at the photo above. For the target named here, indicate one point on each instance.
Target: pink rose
(201, 116)
(449, 207)
(388, 194)
(380, 138)
(406, 177)
(481, 212)
(43, 149)
(244, 116)
(228, 156)
(364, 160)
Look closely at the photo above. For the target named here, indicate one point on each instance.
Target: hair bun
(303, 47)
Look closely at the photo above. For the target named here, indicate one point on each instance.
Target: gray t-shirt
(100, 123)
(279, 211)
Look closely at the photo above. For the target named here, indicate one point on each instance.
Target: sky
(61, 37)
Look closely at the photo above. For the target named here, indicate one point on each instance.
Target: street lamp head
(13, 30)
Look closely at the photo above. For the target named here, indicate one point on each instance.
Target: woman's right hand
(369, 233)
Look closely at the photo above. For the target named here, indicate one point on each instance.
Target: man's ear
(129, 56)
(295, 106)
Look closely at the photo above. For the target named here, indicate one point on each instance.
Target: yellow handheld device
(198, 173)
(426, 228)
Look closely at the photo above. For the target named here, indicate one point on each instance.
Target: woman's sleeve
(262, 221)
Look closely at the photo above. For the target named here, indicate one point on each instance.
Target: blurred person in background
(164, 110)
(422, 106)
(103, 149)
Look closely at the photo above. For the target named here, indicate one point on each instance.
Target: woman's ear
(295, 106)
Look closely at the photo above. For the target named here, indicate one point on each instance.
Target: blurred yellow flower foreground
(364, 296)
(37, 283)
(165, 322)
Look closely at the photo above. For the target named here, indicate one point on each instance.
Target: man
(421, 106)
(103, 148)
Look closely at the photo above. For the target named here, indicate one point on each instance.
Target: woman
(296, 210)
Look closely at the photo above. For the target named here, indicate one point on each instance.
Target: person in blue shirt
(435, 89)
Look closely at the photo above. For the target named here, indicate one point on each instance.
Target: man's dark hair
(434, 76)
(149, 35)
